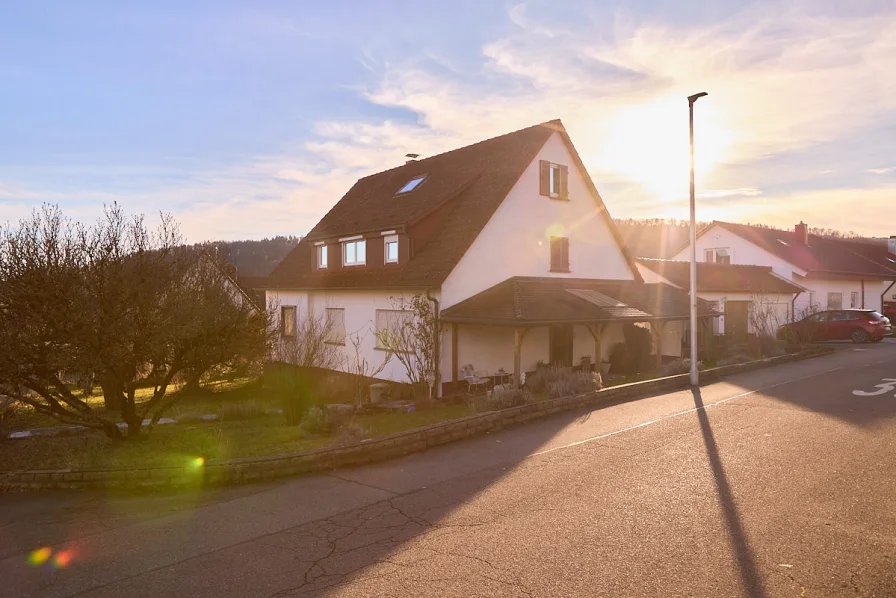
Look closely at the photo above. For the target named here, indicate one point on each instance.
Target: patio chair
(476, 379)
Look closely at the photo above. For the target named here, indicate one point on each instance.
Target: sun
(647, 143)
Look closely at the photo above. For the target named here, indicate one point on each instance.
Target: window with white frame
(390, 246)
(854, 299)
(288, 321)
(391, 320)
(835, 300)
(354, 253)
(335, 326)
(812, 303)
(553, 180)
(720, 255)
(321, 256)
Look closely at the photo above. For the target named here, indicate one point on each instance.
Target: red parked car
(858, 325)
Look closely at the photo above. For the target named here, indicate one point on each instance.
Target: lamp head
(696, 96)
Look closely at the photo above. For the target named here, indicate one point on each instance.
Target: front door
(737, 318)
(561, 345)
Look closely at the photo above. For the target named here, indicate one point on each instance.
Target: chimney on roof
(411, 158)
(801, 233)
(891, 245)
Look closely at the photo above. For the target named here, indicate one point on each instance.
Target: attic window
(412, 184)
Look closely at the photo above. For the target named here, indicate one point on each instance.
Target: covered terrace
(561, 320)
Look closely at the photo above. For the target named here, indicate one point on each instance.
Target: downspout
(437, 333)
(793, 306)
(863, 296)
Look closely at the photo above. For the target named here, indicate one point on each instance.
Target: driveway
(778, 482)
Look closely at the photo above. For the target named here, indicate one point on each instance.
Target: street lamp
(695, 380)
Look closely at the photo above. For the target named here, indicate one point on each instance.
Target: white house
(510, 241)
(836, 273)
(750, 297)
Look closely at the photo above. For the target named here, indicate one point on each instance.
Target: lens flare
(62, 559)
(555, 230)
(198, 462)
(39, 557)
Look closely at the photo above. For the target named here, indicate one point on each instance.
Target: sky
(246, 120)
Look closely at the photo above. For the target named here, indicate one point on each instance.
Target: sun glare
(648, 143)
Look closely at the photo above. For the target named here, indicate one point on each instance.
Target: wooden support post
(454, 351)
(596, 330)
(657, 330)
(518, 334)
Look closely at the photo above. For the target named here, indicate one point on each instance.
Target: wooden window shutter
(564, 180)
(544, 178)
(564, 253)
(559, 254)
(555, 254)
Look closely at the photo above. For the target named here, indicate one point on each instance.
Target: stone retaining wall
(236, 471)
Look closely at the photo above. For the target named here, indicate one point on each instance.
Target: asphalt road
(779, 482)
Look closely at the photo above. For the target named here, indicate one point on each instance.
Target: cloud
(782, 79)
(881, 170)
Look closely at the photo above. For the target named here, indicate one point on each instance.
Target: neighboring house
(752, 298)
(510, 240)
(836, 273)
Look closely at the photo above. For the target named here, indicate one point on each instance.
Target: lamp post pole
(695, 380)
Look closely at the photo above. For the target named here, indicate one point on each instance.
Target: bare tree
(360, 367)
(765, 315)
(308, 345)
(115, 302)
(412, 339)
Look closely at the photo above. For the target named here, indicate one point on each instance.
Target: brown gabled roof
(723, 278)
(821, 257)
(539, 301)
(464, 186)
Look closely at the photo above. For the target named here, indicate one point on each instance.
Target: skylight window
(891, 259)
(412, 184)
(783, 242)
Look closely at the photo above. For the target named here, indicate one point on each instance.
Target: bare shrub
(539, 382)
(318, 421)
(412, 339)
(360, 368)
(574, 383)
(350, 434)
(678, 366)
(295, 388)
(504, 398)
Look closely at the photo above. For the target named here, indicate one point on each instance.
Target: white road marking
(686, 411)
(886, 385)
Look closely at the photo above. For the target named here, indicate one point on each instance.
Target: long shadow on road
(740, 545)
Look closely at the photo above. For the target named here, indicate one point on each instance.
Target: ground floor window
(835, 300)
(288, 321)
(393, 321)
(336, 326)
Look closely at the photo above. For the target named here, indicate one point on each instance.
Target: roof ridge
(552, 124)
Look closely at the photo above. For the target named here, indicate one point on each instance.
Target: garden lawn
(237, 398)
(180, 444)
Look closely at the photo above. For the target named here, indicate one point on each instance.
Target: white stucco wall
(746, 253)
(515, 242)
(821, 288)
(743, 252)
(490, 348)
(360, 317)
